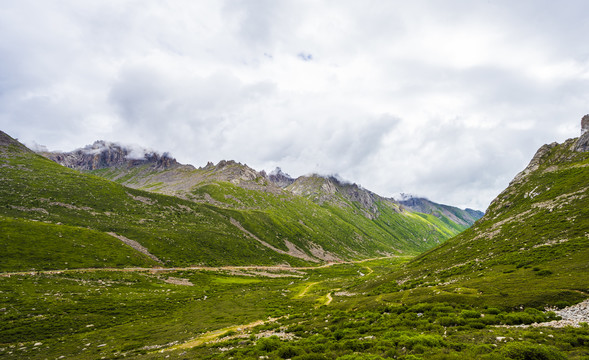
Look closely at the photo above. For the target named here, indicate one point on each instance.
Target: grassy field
(466, 299)
(242, 315)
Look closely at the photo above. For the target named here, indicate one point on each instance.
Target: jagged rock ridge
(163, 174)
(104, 154)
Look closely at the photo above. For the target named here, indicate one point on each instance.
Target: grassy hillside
(219, 222)
(28, 245)
(466, 299)
(530, 249)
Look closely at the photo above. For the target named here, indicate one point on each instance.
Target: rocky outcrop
(582, 144)
(331, 190)
(103, 154)
(585, 124)
(280, 178)
(236, 173)
(534, 163)
(10, 145)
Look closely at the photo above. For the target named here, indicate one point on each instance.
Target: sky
(446, 99)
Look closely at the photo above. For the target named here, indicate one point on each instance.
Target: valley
(156, 260)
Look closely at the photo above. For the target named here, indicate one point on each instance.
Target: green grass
(452, 302)
(26, 246)
(135, 315)
(182, 232)
(530, 249)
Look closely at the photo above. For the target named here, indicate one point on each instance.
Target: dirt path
(304, 291)
(188, 268)
(328, 299)
(370, 271)
(216, 334)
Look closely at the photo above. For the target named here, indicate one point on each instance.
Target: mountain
(103, 154)
(223, 214)
(184, 181)
(280, 178)
(223, 185)
(465, 217)
(477, 296)
(530, 248)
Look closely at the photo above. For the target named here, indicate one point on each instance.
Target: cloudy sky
(447, 99)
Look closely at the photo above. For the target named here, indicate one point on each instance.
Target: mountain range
(124, 253)
(223, 214)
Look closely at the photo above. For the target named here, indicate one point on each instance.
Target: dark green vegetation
(465, 299)
(33, 245)
(215, 223)
(241, 315)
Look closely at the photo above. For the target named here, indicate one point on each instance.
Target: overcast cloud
(443, 99)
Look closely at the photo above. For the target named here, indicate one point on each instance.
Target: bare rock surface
(571, 316)
(583, 142)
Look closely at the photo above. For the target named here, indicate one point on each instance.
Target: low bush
(527, 351)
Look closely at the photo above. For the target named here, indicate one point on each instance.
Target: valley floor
(328, 312)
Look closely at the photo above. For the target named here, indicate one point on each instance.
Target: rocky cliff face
(582, 144)
(103, 154)
(330, 190)
(280, 178)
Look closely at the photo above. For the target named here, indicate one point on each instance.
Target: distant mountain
(104, 154)
(148, 174)
(422, 205)
(281, 179)
(54, 217)
(530, 248)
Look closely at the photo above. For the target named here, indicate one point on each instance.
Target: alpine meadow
(109, 255)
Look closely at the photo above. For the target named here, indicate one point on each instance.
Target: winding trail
(215, 334)
(328, 298)
(304, 291)
(188, 268)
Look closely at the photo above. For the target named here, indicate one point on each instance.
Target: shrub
(470, 314)
(492, 311)
(424, 340)
(310, 357)
(518, 318)
(288, 352)
(526, 351)
(268, 344)
(477, 325)
(451, 321)
(360, 357)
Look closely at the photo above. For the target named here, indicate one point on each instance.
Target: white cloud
(447, 100)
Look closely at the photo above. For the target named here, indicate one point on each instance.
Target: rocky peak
(280, 178)
(330, 189)
(585, 124)
(103, 154)
(238, 174)
(583, 142)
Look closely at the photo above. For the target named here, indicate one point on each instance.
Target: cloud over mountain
(444, 100)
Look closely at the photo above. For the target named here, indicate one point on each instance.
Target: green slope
(27, 245)
(530, 249)
(219, 222)
(343, 227)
